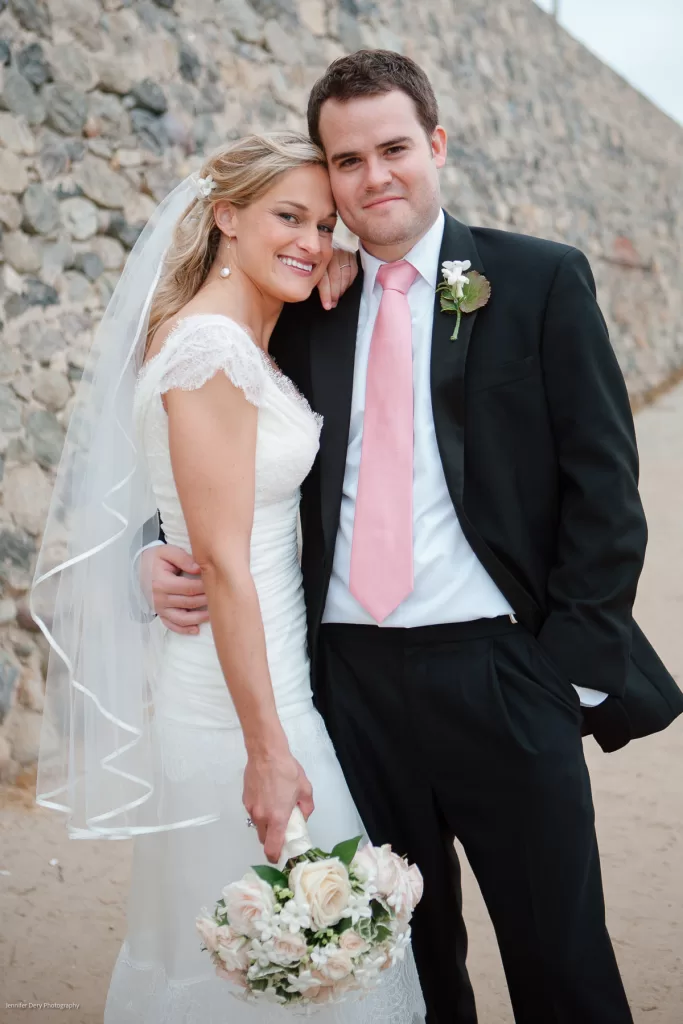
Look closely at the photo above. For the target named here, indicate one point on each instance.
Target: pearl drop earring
(225, 271)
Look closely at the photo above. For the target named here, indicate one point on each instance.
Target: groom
(472, 541)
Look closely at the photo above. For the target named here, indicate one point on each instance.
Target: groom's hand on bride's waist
(179, 600)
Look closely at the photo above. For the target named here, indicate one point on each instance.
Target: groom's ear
(439, 143)
(225, 216)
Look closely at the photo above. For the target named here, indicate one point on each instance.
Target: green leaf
(270, 875)
(346, 851)
(475, 294)
(343, 925)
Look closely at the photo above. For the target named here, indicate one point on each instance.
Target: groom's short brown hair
(371, 73)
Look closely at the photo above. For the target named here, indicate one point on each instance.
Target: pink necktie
(382, 547)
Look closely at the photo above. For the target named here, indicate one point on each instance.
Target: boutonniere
(460, 294)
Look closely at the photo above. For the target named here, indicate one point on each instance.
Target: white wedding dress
(162, 976)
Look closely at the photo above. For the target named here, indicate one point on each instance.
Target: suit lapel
(448, 362)
(333, 349)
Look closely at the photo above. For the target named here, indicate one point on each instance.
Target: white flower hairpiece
(205, 186)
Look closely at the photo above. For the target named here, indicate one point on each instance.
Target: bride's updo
(241, 172)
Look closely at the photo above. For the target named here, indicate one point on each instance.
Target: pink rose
(337, 965)
(416, 883)
(247, 903)
(236, 977)
(352, 942)
(207, 928)
(232, 948)
(289, 949)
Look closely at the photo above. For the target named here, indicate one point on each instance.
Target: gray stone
(166, 4)
(41, 210)
(9, 675)
(27, 494)
(349, 32)
(23, 386)
(2, 467)
(32, 15)
(25, 620)
(52, 389)
(57, 257)
(76, 287)
(110, 252)
(243, 20)
(72, 65)
(66, 107)
(15, 306)
(10, 212)
(22, 731)
(76, 148)
(79, 217)
(16, 135)
(37, 293)
(90, 264)
(19, 451)
(102, 184)
(13, 175)
(54, 159)
(16, 551)
(114, 74)
(150, 96)
(33, 64)
(19, 97)
(46, 437)
(277, 9)
(5, 53)
(10, 410)
(150, 130)
(189, 64)
(40, 343)
(126, 233)
(109, 113)
(22, 252)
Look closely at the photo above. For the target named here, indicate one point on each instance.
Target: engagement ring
(250, 823)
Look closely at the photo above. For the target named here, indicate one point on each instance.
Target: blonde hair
(243, 172)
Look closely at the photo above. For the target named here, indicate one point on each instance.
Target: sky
(641, 39)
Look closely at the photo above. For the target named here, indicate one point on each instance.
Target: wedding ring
(250, 823)
(343, 266)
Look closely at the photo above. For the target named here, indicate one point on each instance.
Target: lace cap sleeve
(198, 349)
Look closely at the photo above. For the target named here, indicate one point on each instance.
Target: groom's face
(383, 169)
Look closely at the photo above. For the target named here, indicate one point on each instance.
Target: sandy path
(61, 924)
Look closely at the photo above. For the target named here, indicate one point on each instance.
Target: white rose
(207, 928)
(337, 965)
(324, 885)
(365, 864)
(232, 948)
(288, 949)
(352, 942)
(247, 903)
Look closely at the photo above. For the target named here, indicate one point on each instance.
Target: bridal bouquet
(324, 926)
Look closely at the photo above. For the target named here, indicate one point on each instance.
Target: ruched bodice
(286, 445)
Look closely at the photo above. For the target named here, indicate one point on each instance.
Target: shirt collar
(424, 256)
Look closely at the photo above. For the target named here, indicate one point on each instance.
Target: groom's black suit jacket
(536, 439)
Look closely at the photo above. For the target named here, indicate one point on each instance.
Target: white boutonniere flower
(460, 292)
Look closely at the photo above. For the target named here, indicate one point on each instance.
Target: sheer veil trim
(97, 757)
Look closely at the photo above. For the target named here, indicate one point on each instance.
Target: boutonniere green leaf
(462, 294)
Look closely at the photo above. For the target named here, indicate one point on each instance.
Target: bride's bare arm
(212, 437)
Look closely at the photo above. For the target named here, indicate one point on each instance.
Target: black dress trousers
(468, 730)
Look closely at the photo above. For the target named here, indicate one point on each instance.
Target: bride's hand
(338, 278)
(273, 786)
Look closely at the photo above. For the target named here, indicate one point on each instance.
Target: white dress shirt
(450, 583)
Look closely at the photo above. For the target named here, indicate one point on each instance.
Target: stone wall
(105, 104)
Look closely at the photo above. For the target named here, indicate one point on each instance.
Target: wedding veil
(99, 758)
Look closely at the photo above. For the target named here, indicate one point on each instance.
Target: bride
(183, 742)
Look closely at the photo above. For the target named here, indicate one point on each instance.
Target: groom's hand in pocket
(179, 600)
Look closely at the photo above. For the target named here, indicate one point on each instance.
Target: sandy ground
(62, 902)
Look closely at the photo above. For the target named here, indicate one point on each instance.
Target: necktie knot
(396, 277)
